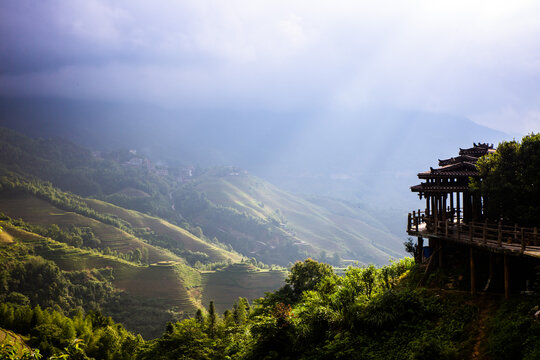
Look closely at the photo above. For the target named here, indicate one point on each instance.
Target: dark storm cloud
(480, 59)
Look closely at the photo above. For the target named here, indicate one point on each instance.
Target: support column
(458, 207)
(420, 248)
(473, 277)
(506, 278)
(452, 205)
(440, 247)
(435, 212)
(445, 197)
(466, 207)
(491, 272)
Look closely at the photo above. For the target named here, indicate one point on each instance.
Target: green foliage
(306, 276)
(510, 181)
(76, 236)
(14, 352)
(369, 313)
(32, 280)
(50, 331)
(75, 351)
(514, 331)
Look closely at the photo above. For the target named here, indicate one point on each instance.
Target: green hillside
(166, 290)
(233, 209)
(150, 295)
(313, 224)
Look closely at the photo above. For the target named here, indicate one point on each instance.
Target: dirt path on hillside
(487, 305)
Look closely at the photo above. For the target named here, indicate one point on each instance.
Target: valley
(172, 247)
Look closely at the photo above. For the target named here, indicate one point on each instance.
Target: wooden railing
(482, 233)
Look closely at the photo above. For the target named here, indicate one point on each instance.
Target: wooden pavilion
(453, 223)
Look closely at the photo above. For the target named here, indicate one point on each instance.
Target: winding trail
(488, 305)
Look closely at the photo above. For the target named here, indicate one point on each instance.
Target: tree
(240, 312)
(199, 316)
(306, 275)
(212, 319)
(510, 182)
(137, 255)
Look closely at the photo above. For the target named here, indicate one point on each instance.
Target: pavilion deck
(494, 237)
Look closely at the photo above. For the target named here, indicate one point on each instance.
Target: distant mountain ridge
(370, 155)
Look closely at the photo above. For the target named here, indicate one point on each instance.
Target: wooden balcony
(494, 237)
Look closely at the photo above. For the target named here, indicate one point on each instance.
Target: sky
(476, 59)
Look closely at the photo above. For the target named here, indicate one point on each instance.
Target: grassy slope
(162, 227)
(325, 224)
(37, 211)
(5, 237)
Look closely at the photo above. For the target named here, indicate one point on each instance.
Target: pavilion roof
(455, 170)
(458, 159)
(477, 150)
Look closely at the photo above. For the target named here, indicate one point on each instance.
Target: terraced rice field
(40, 212)
(156, 282)
(187, 240)
(226, 286)
(67, 258)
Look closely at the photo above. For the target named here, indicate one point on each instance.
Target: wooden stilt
(473, 278)
(421, 249)
(484, 233)
(491, 265)
(490, 272)
(522, 240)
(506, 278)
(458, 208)
(435, 214)
(499, 235)
(440, 247)
(452, 205)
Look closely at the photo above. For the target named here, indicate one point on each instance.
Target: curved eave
(449, 174)
(422, 188)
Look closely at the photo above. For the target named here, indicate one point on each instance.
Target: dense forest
(367, 313)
